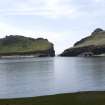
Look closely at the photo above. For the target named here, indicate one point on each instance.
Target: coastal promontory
(17, 45)
(93, 45)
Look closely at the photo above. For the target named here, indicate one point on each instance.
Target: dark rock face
(51, 51)
(98, 30)
(48, 53)
(87, 49)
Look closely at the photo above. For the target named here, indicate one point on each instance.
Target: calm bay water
(44, 76)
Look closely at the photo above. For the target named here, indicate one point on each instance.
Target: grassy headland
(82, 98)
(92, 45)
(20, 45)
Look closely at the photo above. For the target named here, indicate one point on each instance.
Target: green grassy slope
(96, 38)
(19, 44)
(84, 98)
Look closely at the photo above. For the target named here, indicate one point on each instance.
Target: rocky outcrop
(93, 45)
(14, 45)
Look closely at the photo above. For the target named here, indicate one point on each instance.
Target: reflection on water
(43, 76)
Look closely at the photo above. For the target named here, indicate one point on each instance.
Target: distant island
(93, 45)
(17, 45)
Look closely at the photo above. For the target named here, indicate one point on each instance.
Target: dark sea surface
(44, 76)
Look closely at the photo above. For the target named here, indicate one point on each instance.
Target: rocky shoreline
(85, 51)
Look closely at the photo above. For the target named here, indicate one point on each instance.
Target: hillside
(20, 45)
(80, 98)
(92, 45)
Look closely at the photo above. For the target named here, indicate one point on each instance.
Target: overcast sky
(63, 22)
